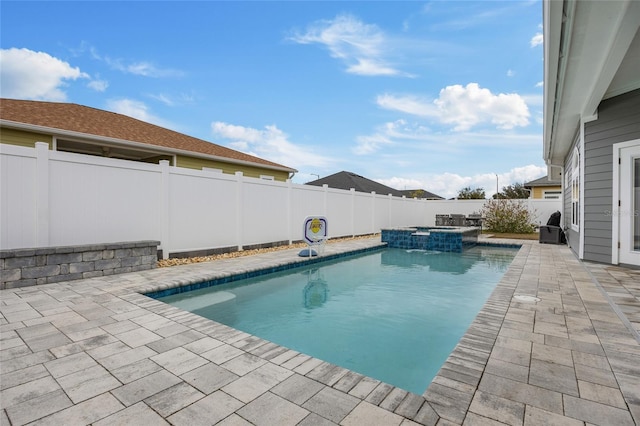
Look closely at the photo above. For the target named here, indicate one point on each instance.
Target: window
(551, 195)
(211, 169)
(575, 190)
(636, 204)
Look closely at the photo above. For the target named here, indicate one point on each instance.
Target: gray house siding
(618, 121)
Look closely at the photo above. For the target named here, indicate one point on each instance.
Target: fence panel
(306, 201)
(18, 205)
(397, 215)
(363, 213)
(381, 208)
(51, 198)
(542, 209)
(264, 211)
(202, 210)
(339, 213)
(95, 200)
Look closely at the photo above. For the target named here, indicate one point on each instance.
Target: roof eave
(554, 69)
(139, 145)
(585, 44)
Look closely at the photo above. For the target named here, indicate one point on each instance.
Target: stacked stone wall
(36, 266)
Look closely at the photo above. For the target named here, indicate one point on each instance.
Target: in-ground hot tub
(438, 238)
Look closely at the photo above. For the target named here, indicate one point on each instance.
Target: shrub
(508, 216)
(471, 194)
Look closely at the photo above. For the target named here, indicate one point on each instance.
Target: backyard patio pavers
(96, 351)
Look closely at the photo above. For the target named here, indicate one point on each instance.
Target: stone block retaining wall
(35, 266)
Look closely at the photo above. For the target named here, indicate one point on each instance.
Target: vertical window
(575, 190)
(636, 205)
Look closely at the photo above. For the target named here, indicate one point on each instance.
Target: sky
(435, 95)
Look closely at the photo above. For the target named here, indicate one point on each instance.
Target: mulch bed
(163, 263)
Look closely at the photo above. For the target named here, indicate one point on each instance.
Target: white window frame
(615, 210)
(575, 190)
(552, 194)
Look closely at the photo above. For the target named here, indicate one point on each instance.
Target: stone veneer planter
(35, 266)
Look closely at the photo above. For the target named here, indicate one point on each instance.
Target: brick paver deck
(96, 351)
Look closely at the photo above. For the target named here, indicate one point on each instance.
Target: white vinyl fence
(51, 198)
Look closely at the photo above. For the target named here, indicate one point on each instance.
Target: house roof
(347, 180)
(543, 181)
(410, 193)
(591, 53)
(73, 120)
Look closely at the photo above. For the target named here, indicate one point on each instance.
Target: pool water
(394, 315)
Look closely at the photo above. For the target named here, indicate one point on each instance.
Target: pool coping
(481, 380)
(302, 261)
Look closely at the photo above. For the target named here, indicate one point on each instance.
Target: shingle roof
(92, 121)
(543, 181)
(348, 180)
(410, 193)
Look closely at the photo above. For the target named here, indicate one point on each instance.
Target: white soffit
(628, 76)
(602, 60)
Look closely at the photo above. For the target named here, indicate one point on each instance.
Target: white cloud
(522, 174)
(511, 73)
(448, 185)
(26, 74)
(533, 100)
(172, 100)
(537, 40)
(98, 85)
(468, 106)
(387, 134)
(136, 109)
(361, 46)
(144, 69)
(370, 67)
(409, 104)
(406, 137)
(370, 143)
(465, 107)
(168, 101)
(269, 143)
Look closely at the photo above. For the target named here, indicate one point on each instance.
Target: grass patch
(532, 236)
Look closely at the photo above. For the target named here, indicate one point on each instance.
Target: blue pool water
(394, 315)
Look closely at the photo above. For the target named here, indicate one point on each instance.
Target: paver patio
(96, 351)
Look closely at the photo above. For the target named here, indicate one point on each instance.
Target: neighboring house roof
(543, 181)
(591, 53)
(348, 180)
(73, 120)
(420, 193)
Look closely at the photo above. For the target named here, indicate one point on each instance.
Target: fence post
(353, 211)
(239, 211)
(325, 197)
(165, 221)
(373, 211)
(290, 210)
(389, 208)
(42, 194)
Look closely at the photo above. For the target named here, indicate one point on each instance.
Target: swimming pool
(394, 314)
